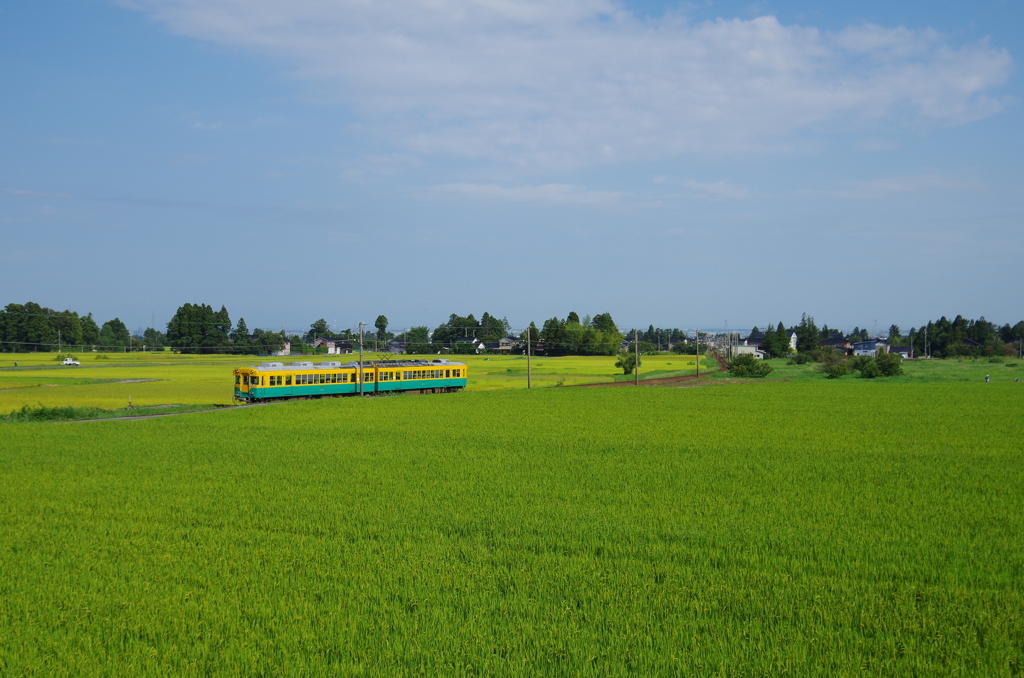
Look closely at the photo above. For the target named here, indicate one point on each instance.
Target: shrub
(857, 363)
(747, 365)
(889, 364)
(801, 359)
(835, 370)
(870, 369)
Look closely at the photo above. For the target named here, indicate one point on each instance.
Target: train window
(288, 380)
(237, 380)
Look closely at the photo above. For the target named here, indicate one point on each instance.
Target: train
(299, 380)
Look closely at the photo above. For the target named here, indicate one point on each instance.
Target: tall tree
(894, 335)
(240, 339)
(317, 330)
(90, 331)
(806, 334)
(382, 328)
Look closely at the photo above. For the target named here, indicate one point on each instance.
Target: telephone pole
(360, 358)
(529, 379)
(696, 335)
(636, 359)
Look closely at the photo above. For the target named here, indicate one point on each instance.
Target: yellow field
(108, 381)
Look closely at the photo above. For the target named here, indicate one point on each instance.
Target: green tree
(153, 339)
(317, 330)
(197, 328)
(90, 331)
(382, 328)
(894, 335)
(806, 334)
(418, 340)
(267, 342)
(115, 334)
(628, 361)
(241, 342)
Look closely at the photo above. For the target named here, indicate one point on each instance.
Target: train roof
(336, 365)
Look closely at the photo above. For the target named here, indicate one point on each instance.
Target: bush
(835, 370)
(889, 364)
(801, 359)
(870, 369)
(747, 365)
(828, 356)
(857, 362)
(43, 413)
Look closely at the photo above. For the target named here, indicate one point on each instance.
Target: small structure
(838, 342)
(906, 352)
(871, 347)
(503, 345)
(334, 346)
(744, 349)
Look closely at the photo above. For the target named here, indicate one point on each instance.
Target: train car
(271, 381)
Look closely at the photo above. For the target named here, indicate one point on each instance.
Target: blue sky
(680, 165)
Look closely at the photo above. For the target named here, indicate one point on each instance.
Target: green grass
(818, 528)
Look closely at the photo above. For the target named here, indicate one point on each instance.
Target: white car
(71, 361)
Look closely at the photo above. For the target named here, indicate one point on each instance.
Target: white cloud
(722, 189)
(577, 82)
(25, 193)
(880, 188)
(549, 194)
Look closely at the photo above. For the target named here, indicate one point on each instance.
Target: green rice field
(780, 527)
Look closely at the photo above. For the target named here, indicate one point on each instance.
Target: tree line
(31, 327)
(198, 328)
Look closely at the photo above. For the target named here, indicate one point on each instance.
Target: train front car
(246, 381)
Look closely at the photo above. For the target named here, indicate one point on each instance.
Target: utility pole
(925, 341)
(636, 359)
(58, 340)
(360, 358)
(529, 378)
(696, 335)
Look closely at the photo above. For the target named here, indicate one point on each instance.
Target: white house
(870, 348)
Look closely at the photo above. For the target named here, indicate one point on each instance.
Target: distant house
(334, 346)
(397, 347)
(503, 345)
(757, 339)
(838, 342)
(906, 351)
(285, 350)
(871, 347)
(743, 349)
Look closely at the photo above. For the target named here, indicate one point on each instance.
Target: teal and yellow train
(270, 381)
